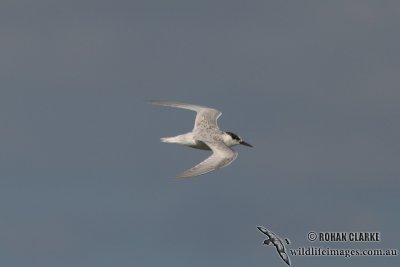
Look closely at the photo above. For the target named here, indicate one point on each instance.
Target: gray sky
(313, 85)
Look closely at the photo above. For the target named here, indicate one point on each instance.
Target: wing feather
(266, 231)
(222, 156)
(206, 117)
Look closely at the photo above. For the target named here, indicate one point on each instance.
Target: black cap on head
(234, 136)
(237, 138)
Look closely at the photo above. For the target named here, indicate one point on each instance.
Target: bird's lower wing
(222, 157)
(285, 257)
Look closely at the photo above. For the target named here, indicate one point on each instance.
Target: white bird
(205, 135)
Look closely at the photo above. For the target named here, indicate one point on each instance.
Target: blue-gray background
(313, 85)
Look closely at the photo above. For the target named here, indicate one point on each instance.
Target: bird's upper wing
(266, 231)
(206, 117)
(222, 156)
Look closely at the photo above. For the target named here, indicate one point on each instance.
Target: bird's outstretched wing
(285, 257)
(266, 232)
(222, 156)
(206, 117)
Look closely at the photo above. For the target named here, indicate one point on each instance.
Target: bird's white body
(189, 139)
(207, 136)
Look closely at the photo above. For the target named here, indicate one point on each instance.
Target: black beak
(245, 144)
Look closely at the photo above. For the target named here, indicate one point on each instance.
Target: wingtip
(157, 102)
(181, 176)
(150, 101)
(185, 175)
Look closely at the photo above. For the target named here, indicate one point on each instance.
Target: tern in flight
(207, 136)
